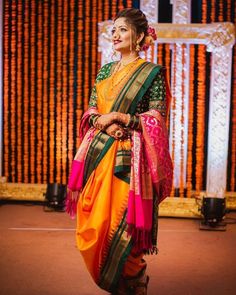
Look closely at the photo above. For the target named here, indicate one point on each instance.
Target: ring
(119, 133)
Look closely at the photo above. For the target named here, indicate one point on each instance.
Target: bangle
(96, 124)
(127, 124)
(136, 122)
(93, 120)
(131, 122)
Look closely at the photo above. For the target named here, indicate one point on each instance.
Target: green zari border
(135, 88)
(100, 145)
(119, 251)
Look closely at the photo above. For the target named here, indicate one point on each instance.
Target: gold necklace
(117, 68)
(125, 64)
(116, 86)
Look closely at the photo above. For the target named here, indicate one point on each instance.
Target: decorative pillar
(180, 91)
(150, 9)
(219, 109)
(219, 39)
(181, 11)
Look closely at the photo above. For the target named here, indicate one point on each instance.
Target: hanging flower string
(190, 122)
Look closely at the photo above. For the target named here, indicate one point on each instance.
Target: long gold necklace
(126, 63)
(117, 68)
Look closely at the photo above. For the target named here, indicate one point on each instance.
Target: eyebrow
(121, 26)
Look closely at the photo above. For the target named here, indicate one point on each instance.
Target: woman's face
(122, 35)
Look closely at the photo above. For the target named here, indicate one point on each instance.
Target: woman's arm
(157, 94)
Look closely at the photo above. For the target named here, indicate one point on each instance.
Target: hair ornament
(149, 38)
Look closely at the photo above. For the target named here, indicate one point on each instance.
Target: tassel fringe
(71, 203)
(142, 240)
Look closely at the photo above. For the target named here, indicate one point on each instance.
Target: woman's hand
(116, 131)
(106, 120)
(122, 118)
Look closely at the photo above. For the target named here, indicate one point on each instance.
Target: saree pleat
(101, 206)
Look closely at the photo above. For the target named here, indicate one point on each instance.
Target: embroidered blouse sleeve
(102, 74)
(154, 98)
(157, 94)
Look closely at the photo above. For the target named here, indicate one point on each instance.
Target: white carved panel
(181, 11)
(150, 9)
(179, 129)
(219, 115)
(179, 111)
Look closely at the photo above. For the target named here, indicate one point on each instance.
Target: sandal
(122, 288)
(141, 287)
(137, 286)
(133, 286)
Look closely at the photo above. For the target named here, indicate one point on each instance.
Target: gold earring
(137, 48)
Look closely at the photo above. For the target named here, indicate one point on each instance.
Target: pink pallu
(151, 169)
(75, 183)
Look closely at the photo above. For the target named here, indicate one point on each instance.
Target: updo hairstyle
(137, 19)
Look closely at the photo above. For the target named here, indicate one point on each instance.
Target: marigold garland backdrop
(50, 63)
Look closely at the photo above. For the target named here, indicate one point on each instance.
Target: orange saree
(113, 188)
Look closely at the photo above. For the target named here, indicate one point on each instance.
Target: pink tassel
(71, 203)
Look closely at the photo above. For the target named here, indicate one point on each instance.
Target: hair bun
(149, 39)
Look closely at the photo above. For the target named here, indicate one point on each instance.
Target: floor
(38, 256)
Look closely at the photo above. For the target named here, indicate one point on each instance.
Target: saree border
(98, 148)
(120, 249)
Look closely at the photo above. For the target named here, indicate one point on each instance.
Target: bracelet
(91, 119)
(131, 122)
(95, 120)
(95, 123)
(134, 122)
(127, 124)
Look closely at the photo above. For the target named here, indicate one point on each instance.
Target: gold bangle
(127, 124)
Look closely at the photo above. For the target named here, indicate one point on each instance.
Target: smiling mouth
(116, 42)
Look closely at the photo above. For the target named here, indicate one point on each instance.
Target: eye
(113, 31)
(123, 30)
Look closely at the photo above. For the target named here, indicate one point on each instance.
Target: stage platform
(38, 256)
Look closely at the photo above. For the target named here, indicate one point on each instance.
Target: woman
(122, 170)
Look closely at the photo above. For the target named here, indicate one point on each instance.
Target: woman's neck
(128, 57)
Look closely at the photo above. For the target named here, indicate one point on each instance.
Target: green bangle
(136, 122)
(132, 122)
(93, 120)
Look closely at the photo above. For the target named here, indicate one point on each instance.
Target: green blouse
(154, 98)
